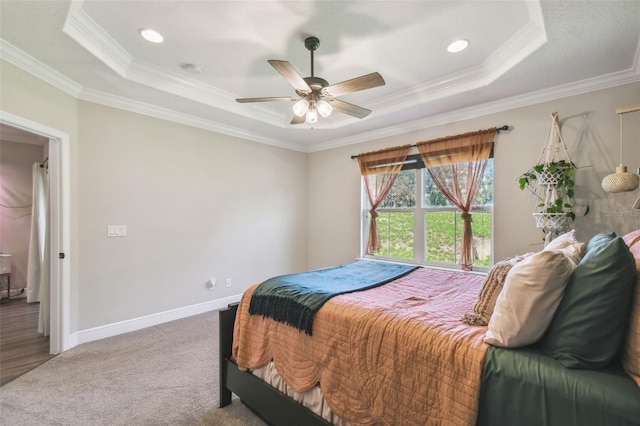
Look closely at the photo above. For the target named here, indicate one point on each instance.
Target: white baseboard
(134, 324)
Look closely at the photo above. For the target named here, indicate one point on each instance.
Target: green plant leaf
(523, 181)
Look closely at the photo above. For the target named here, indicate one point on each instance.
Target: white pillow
(573, 251)
(562, 241)
(530, 296)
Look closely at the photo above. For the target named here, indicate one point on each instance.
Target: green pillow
(590, 323)
(599, 240)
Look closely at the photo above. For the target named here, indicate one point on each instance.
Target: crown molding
(86, 32)
(90, 35)
(155, 111)
(529, 38)
(188, 88)
(31, 65)
(518, 47)
(26, 62)
(620, 78)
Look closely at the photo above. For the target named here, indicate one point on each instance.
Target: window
(418, 224)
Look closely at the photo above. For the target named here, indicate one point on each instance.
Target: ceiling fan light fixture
(315, 94)
(312, 116)
(151, 35)
(301, 107)
(458, 46)
(324, 108)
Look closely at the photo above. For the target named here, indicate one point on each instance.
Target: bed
(398, 353)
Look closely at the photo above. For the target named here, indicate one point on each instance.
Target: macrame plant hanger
(546, 189)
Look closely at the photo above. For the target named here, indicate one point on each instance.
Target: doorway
(59, 229)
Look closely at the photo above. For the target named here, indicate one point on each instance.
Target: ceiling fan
(316, 95)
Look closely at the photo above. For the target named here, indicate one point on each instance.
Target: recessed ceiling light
(151, 35)
(458, 46)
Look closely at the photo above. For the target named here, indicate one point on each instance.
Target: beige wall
(16, 161)
(197, 205)
(589, 127)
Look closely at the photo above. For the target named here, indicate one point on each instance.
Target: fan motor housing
(315, 83)
(311, 43)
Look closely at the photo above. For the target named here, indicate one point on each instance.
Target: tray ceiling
(520, 52)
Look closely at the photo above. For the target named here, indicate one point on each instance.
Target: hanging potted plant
(553, 184)
(557, 174)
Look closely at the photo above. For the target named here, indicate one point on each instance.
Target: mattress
(312, 399)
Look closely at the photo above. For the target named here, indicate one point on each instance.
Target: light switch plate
(116, 230)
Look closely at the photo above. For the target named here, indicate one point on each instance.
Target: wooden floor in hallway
(22, 348)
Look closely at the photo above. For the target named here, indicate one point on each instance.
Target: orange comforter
(398, 354)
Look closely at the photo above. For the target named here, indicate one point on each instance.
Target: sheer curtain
(456, 165)
(38, 263)
(379, 170)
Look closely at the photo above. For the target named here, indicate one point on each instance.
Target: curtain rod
(498, 129)
(44, 163)
(630, 108)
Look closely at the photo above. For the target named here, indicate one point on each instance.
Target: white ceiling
(521, 52)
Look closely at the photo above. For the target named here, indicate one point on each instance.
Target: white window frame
(419, 249)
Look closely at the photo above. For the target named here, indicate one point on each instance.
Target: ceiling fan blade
(269, 99)
(291, 75)
(297, 120)
(350, 109)
(354, 85)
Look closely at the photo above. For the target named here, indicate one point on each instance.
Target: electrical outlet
(228, 282)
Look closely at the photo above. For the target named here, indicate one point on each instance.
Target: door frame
(60, 227)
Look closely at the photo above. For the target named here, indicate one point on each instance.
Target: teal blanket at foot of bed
(295, 298)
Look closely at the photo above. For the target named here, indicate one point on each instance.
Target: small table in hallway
(6, 277)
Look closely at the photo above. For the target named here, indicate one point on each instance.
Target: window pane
(482, 238)
(396, 234)
(442, 238)
(485, 193)
(433, 197)
(403, 193)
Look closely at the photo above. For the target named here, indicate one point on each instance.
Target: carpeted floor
(161, 375)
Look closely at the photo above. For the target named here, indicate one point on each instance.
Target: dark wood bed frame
(271, 405)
